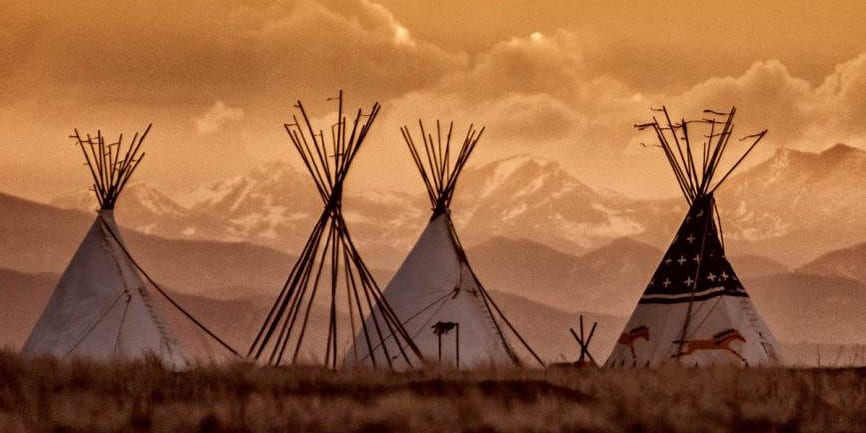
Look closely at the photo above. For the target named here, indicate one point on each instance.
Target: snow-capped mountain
(276, 205)
(265, 206)
(533, 198)
(141, 207)
(798, 205)
(793, 207)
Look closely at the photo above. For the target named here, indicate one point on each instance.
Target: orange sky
(558, 79)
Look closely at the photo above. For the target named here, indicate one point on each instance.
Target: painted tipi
(100, 309)
(436, 295)
(695, 310)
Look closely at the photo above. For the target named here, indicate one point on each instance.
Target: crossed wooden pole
(583, 341)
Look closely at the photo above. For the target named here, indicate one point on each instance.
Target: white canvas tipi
(100, 309)
(435, 294)
(695, 311)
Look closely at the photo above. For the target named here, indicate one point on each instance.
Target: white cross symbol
(689, 281)
(681, 260)
(711, 277)
(667, 282)
(691, 238)
(668, 261)
(697, 258)
(724, 276)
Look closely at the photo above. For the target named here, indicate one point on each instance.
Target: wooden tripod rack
(585, 359)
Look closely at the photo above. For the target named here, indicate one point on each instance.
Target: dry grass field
(51, 396)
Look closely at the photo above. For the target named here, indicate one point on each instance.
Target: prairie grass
(45, 395)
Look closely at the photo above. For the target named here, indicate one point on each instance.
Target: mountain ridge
(792, 208)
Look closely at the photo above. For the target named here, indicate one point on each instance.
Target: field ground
(50, 396)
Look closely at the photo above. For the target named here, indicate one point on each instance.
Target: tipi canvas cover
(100, 309)
(435, 294)
(695, 311)
(435, 286)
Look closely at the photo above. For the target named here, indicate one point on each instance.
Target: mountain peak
(786, 158)
(624, 245)
(275, 171)
(841, 150)
(626, 242)
(523, 159)
(504, 242)
(500, 173)
(137, 194)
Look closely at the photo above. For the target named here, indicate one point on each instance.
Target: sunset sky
(558, 79)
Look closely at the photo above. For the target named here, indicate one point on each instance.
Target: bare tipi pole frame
(330, 249)
(696, 162)
(440, 167)
(583, 341)
(111, 167)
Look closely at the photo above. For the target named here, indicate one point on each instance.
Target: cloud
(538, 117)
(797, 113)
(544, 94)
(766, 96)
(548, 93)
(534, 64)
(216, 116)
(842, 96)
(165, 52)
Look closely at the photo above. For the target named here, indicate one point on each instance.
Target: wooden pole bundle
(329, 261)
(438, 171)
(111, 165)
(696, 165)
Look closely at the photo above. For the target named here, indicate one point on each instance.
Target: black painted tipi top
(694, 267)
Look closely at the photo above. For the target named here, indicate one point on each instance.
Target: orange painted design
(720, 341)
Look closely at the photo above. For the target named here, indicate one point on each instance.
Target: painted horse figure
(720, 341)
(628, 338)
